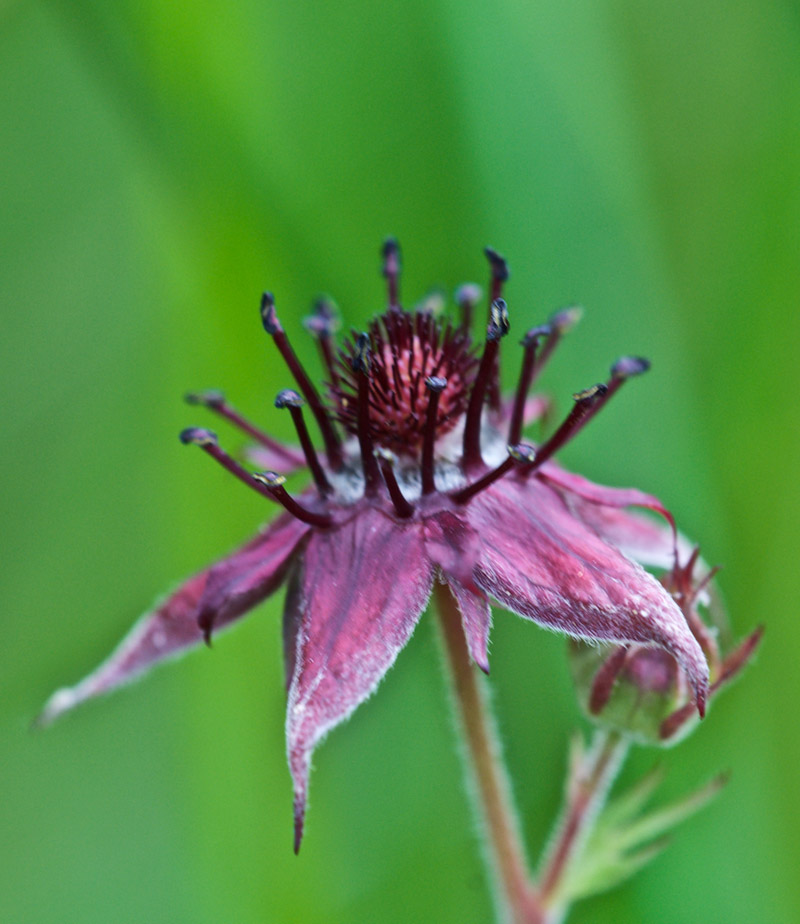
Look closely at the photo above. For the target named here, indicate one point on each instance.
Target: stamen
(273, 327)
(585, 401)
(531, 344)
(623, 369)
(499, 274)
(215, 401)
(291, 399)
(497, 328)
(360, 364)
(560, 323)
(322, 325)
(273, 485)
(402, 506)
(207, 441)
(521, 454)
(391, 270)
(435, 385)
(467, 297)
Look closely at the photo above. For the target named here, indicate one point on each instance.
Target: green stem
(588, 785)
(516, 895)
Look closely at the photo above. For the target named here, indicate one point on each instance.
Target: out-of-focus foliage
(161, 164)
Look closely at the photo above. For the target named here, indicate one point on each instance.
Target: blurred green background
(161, 164)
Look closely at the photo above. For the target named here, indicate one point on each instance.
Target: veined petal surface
(540, 561)
(362, 589)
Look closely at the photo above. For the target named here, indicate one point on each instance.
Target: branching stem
(520, 900)
(588, 784)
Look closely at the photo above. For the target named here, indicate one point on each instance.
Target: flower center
(407, 348)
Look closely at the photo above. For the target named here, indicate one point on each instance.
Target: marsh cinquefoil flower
(423, 478)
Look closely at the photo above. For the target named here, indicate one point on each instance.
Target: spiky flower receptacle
(423, 478)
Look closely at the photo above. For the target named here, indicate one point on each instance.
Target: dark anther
(498, 320)
(497, 264)
(627, 366)
(566, 318)
(272, 326)
(324, 322)
(269, 317)
(391, 269)
(591, 394)
(268, 485)
(290, 399)
(585, 403)
(360, 361)
(521, 454)
(197, 436)
(435, 385)
(497, 328)
(322, 325)
(272, 485)
(499, 274)
(272, 480)
(535, 335)
(623, 369)
(215, 401)
(386, 460)
(467, 297)
(210, 398)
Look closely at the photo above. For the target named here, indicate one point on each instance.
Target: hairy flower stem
(516, 896)
(590, 778)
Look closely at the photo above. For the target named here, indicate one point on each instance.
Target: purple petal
(540, 561)
(453, 545)
(235, 584)
(602, 494)
(601, 507)
(476, 618)
(362, 589)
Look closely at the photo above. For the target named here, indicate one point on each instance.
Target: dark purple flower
(423, 477)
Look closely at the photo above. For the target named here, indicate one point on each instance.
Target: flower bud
(641, 691)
